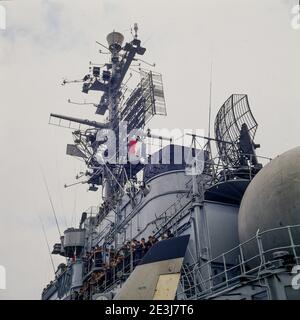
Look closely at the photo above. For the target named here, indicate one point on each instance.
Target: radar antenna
(136, 107)
(235, 123)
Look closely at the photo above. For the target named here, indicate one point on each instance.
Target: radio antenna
(210, 96)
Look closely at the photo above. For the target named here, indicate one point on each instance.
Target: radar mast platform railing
(247, 269)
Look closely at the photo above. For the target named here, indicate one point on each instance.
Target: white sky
(254, 51)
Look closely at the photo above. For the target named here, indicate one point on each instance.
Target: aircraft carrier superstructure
(211, 220)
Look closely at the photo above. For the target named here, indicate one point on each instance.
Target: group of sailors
(106, 265)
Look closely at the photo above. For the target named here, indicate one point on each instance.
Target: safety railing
(163, 219)
(246, 262)
(222, 172)
(102, 277)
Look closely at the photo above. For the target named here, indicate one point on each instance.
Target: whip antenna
(51, 202)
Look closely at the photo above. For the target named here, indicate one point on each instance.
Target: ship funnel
(115, 41)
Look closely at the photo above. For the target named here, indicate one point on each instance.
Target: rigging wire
(47, 242)
(73, 219)
(210, 96)
(45, 236)
(50, 200)
(59, 192)
(74, 207)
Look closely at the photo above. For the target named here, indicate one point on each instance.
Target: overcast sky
(253, 48)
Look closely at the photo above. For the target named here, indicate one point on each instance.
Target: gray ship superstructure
(221, 225)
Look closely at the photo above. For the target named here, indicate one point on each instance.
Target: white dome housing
(272, 200)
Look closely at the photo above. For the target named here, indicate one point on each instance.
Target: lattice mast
(146, 100)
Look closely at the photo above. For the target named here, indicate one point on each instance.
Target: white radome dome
(272, 200)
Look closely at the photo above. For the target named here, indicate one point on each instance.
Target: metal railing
(181, 205)
(184, 201)
(221, 172)
(109, 276)
(249, 261)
